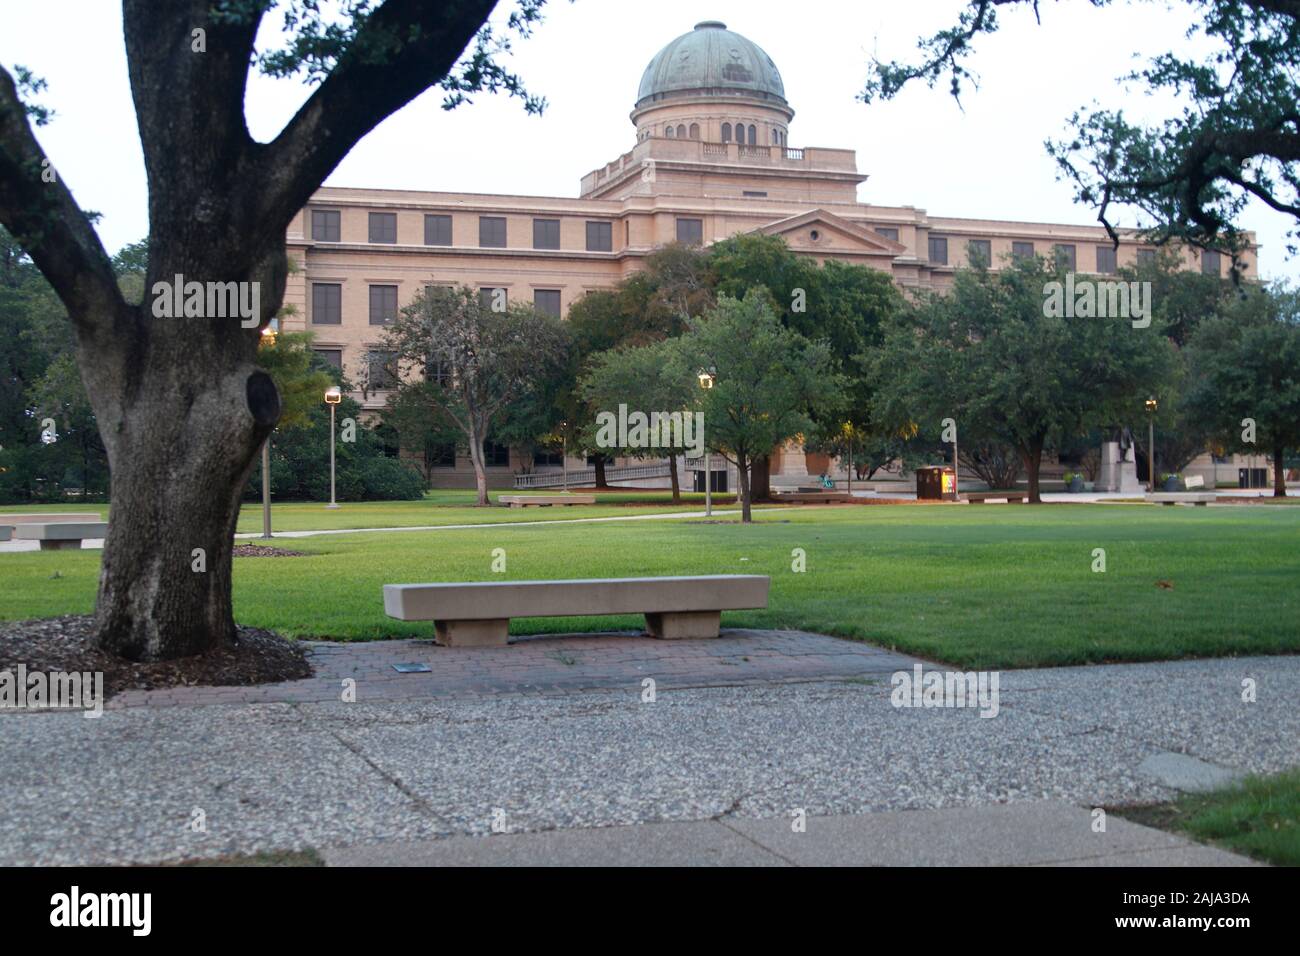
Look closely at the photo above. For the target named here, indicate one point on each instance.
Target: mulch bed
(265, 551)
(66, 644)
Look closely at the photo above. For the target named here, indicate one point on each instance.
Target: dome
(711, 60)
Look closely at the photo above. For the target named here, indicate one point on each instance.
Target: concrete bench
(813, 496)
(1183, 497)
(544, 501)
(56, 535)
(478, 613)
(13, 519)
(979, 497)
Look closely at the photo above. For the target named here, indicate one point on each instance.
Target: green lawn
(438, 508)
(995, 586)
(1260, 818)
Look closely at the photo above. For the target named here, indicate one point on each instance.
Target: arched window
(695, 131)
(726, 132)
(669, 132)
(681, 131)
(753, 135)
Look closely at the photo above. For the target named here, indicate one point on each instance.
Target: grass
(1260, 817)
(995, 586)
(437, 508)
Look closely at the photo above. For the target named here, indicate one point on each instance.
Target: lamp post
(848, 427)
(1152, 405)
(333, 395)
(267, 341)
(706, 383)
(564, 453)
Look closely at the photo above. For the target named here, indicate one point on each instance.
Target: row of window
(980, 251)
(327, 302)
(438, 232)
(744, 135)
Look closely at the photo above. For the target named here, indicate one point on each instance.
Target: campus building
(713, 156)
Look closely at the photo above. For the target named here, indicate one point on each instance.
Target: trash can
(936, 483)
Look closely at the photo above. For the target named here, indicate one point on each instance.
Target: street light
(267, 340)
(1152, 405)
(706, 383)
(333, 395)
(564, 453)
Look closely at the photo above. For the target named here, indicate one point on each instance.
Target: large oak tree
(181, 404)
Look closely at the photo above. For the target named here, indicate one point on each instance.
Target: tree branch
(39, 210)
(426, 37)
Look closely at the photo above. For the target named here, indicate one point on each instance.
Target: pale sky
(587, 59)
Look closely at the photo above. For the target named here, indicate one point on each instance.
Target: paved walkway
(742, 730)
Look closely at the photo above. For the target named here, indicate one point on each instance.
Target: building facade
(712, 158)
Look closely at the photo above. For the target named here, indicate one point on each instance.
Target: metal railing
(586, 477)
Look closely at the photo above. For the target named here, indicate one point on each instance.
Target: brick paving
(549, 665)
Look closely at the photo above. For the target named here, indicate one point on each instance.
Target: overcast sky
(587, 59)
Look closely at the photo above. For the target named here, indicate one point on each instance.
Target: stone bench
(979, 497)
(13, 519)
(57, 535)
(544, 501)
(1183, 497)
(478, 613)
(813, 496)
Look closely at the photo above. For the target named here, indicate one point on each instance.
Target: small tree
(768, 380)
(467, 362)
(1246, 366)
(644, 379)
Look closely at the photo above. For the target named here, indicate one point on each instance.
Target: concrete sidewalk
(1044, 833)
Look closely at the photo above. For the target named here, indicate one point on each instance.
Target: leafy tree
(182, 404)
(769, 380)
(1247, 366)
(1238, 137)
(467, 364)
(987, 356)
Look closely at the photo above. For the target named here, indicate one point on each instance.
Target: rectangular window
(332, 357)
(1066, 255)
(1209, 264)
(1146, 257)
(1022, 250)
(889, 232)
(383, 304)
(437, 230)
(493, 298)
(552, 456)
(547, 301)
(754, 194)
(440, 455)
(496, 456)
(600, 237)
(939, 250)
(325, 225)
(383, 227)
(437, 371)
(492, 232)
(381, 367)
(326, 303)
(979, 253)
(690, 231)
(546, 234)
(1106, 264)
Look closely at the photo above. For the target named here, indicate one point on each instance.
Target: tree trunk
(480, 469)
(1033, 458)
(672, 472)
(181, 444)
(600, 472)
(1279, 473)
(742, 478)
(761, 482)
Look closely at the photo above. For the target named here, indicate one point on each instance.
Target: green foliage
(645, 379)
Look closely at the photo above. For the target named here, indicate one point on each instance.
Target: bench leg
(493, 633)
(683, 624)
(74, 545)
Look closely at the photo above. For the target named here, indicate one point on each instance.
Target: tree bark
(1033, 458)
(600, 472)
(1279, 472)
(480, 468)
(742, 478)
(761, 481)
(672, 472)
